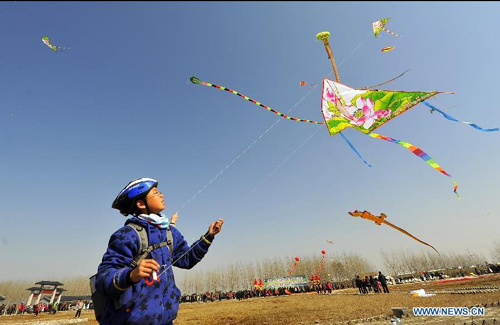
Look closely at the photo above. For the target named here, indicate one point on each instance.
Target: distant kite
(297, 259)
(379, 26)
(387, 49)
(46, 41)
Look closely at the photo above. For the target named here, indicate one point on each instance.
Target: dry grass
(341, 306)
(307, 308)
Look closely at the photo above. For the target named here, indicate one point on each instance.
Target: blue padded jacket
(141, 303)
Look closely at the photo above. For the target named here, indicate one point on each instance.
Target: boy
(146, 293)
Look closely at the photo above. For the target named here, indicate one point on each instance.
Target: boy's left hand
(215, 227)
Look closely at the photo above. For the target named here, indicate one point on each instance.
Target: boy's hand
(215, 227)
(174, 218)
(144, 270)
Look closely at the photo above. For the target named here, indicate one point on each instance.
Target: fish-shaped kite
(381, 219)
(387, 49)
(379, 26)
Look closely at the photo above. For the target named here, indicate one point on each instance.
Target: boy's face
(155, 200)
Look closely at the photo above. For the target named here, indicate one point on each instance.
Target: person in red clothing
(329, 287)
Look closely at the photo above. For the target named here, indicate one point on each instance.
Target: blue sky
(76, 126)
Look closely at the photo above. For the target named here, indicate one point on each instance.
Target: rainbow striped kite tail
(392, 33)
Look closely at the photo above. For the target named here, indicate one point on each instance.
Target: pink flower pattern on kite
(333, 99)
(369, 115)
(337, 103)
(331, 96)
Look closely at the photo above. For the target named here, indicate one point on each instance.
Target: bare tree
(495, 252)
(389, 262)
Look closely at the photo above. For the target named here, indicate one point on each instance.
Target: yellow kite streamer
(381, 219)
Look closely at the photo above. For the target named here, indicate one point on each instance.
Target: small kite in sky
(381, 219)
(379, 26)
(46, 41)
(303, 83)
(387, 49)
(329, 241)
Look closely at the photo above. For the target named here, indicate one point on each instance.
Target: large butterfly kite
(361, 109)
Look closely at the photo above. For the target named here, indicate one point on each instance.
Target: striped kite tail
(199, 82)
(420, 153)
(392, 33)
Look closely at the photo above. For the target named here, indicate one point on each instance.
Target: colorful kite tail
(451, 118)
(417, 152)
(392, 33)
(199, 82)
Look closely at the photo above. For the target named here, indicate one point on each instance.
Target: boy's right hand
(144, 270)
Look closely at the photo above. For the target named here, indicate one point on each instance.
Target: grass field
(340, 306)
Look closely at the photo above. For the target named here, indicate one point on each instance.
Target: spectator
(383, 282)
(79, 307)
(359, 284)
(366, 284)
(373, 284)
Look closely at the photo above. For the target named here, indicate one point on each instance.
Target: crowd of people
(372, 284)
(36, 309)
(322, 288)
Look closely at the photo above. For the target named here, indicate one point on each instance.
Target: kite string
(242, 153)
(275, 169)
(386, 82)
(172, 264)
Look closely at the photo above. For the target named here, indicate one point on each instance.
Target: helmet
(135, 190)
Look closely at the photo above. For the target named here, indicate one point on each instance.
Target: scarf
(159, 220)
